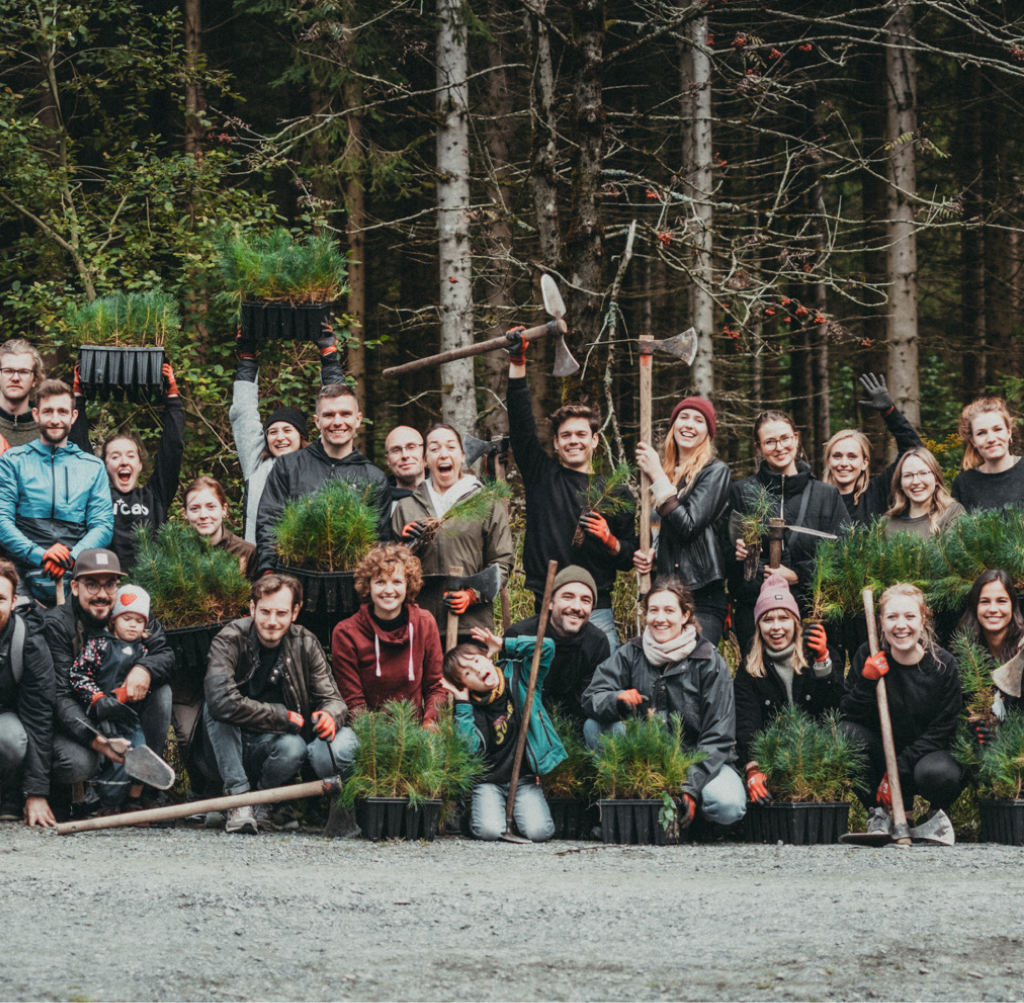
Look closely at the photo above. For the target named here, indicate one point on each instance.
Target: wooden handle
(451, 637)
(59, 587)
(645, 436)
(776, 528)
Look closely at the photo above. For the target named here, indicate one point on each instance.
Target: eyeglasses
(93, 587)
(924, 475)
(23, 373)
(412, 447)
(782, 442)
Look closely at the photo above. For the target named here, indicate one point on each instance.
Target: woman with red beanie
(690, 490)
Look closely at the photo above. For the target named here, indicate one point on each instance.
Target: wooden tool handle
(776, 528)
(451, 637)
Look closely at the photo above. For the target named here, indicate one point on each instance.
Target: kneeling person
(271, 702)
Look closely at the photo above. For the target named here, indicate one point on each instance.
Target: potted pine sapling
(750, 526)
(122, 341)
(567, 787)
(403, 773)
(604, 496)
(641, 773)
(286, 285)
(1000, 773)
(811, 768)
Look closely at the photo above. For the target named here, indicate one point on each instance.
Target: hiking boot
(273, 818)
(241, 820)
(10, 811)
(879, 823)
(284, 816)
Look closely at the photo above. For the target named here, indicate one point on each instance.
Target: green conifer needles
(605, 495)
(805, 760)
(1001, 769)
(331, 530)
(573, 776)
(976, 665)
(126, 320)
(474, 508)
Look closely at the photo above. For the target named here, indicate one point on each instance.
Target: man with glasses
(403, 450)
(21, 371)
(77, 746)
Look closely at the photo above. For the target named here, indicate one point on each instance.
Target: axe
(554, 305)
(486, 584)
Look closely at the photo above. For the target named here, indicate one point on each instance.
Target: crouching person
(489, 704)
(271, 703)
(672, 669)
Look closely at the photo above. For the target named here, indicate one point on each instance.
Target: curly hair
(385, 558)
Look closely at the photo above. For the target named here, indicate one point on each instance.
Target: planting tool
(341, 821)
(524, 727)
(938, 829)
(776, 532)
(140, 762)
(486, 584)
(565, 364)
(1008, 676)
(451, 637)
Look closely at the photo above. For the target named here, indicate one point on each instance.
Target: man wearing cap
(580, 647)
(403, 450)
(77, 746)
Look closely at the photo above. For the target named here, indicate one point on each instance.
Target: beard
(55, 436)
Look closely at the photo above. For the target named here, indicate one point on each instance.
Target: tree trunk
(543, 180)
(458, 391)
(193, 91)
(972, 240)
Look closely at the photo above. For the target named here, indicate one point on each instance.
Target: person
(847, 456)
(783, 668)
(271, 703)
(490, 700)
(122, 455)
(21, 371)
(992, 476)
(795, 496)
(302, 472)
(470, 544)
(206, 508)
(555, 495)
(98, 677)
(923, 687)
(690, 490)
(26, 709)
(78, 750)
(390, 648)
(673, 669)
(920, 503)
(403, 450)
(580, 647)
(54, 498)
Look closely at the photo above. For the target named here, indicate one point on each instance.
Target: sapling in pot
(999, 770)
(568, 786)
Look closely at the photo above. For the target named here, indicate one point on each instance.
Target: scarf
(485, 699)
(463, 487)
(670, 652)
(783, 662)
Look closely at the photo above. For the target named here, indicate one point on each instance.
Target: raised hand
(878, 392)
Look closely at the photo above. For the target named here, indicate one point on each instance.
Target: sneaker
(274, 818)
(241, 820)
(879, 823)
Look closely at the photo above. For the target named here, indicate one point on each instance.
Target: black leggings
(937, 777)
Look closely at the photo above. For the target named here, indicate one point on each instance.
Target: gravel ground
(189, 914)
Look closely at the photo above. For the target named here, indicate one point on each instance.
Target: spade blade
(142, 763)
(553, 302)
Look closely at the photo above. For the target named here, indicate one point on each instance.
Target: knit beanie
(705, 407)
(292, 415)
(775, 594)
(131, 599)
(574, 573)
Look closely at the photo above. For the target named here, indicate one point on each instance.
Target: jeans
(604, 620)
(724, 798)
(531, 813)
(13, 746)
(593, 730)
(155, 717)
(73, 763)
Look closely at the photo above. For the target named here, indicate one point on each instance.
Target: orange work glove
(295, 721)
(517, 348)
(596, 525)
(57, 560)
(876, 666)
(459, 602)
(757, 786)
(122, 694)
(629, 700)
(884, 794)
(689, 806)
(817, 641)
(172, 383)
(324, 725)
(76, 383)
(413, 530)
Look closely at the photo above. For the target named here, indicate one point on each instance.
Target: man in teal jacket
(54, 498)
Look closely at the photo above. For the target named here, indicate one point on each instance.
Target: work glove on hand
(629, 701)
(517, 349)
(76, 383)
(877, 391)
(412, 531)
(757, 786)
(688, 813)
(324, 725)
(109, 708)
(494, 456)
(884, 794)
(596, 525)
(817, 641)
(984, 734)
(459, 602)
(295, 722)
(327, 340)
(245, 344)
(172, 383)
(876, 666)
(121, 692)
(57, 560)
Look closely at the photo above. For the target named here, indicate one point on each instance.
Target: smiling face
(994, 609)
(575, 444)
(205, 513)
(338, 419)
(689, 430)
(846, 462)
(903, 627)
(387, 592)
(918, 483)
(273, 615)
(403, 449)
(283, 438)
(778, 629)
(665, 617)
(478, 673)
(571, 607)
(445, 458)
(55, 416)
(990, 436)
(6, 601)
(17, 378)
(124, 464)
(95, 594)
(779, 444)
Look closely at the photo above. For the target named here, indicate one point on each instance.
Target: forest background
(820, 189)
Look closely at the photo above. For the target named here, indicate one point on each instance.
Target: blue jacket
(544, 749)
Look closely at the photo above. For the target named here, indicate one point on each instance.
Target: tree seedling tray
(113, 373)
(283, 321)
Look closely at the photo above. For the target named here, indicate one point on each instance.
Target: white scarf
(463, 487)
(670, 652)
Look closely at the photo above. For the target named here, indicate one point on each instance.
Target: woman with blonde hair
(690, 490)
(847, 456)
(920, 502)
(992, 476)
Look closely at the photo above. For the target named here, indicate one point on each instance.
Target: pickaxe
(486, 584)
(554, 305)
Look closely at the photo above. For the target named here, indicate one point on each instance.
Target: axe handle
(899, 814)
(59, 589)
(552, 327)
(451, 637)
(645, 436)
(776, 529)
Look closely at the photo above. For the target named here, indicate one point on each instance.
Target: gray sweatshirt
(250, 441)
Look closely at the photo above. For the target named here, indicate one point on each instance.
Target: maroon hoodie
(372, 665)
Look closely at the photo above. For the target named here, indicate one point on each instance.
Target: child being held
(489, 704)
(98, 675)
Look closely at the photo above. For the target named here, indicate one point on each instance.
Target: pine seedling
(606, 495)
(1001, 772)
(753, 524)
(470, 510)
(965, 749)
(573, 776)
(127, 320)
(454, 770)
(976, 665)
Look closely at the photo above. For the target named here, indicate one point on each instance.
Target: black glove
(516, 346)
(498, 453)
(412, 531)
(327, 338)
(111, 709)
(878, 391)
(984, 734)
(245, 343)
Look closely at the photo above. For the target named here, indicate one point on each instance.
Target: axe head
(565, 364)
(938, 829)
(682, 346)
(554, 305)
(1008, 676)
(474, 447)
(486, 583)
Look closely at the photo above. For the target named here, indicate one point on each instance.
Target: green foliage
(132, 319)
(606, 494)
(472, 509)
(754, 520)
(399, 758)
(190, 583)
(976, 665)
(805, 760)
(1001, 767)
(574, 776)
(331, 530)
(646, 762)
(280, 266)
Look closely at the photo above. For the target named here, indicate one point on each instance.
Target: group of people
(83, 679)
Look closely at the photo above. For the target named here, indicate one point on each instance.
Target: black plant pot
(634, 821)
(1002, 822)
(328, 597)
(304, 322)
(191, 646)
(396, 818)
(800, 823)
(109, 373)
(574, 818)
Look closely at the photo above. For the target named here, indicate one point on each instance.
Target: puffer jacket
(470, 545)
(307, 683)
(698, 689)
(302, 473)
(688, 543)
(544, 749)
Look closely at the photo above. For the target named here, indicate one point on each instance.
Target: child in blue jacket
(489, 704)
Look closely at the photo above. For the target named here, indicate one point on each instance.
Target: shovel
(341, 821)
(141, 762)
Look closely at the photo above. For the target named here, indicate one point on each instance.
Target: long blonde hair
(983, 405)
(755, 660)
(682, 474)
(940, 500)
(905, 589)
(861, 484)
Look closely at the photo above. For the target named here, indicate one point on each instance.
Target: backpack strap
(18, 649)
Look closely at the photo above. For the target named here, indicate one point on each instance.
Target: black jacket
(924, 704)
(688, 544)
(66, 628)
(302, 473)
(572, 668)
(32, 700)
(554, 502)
